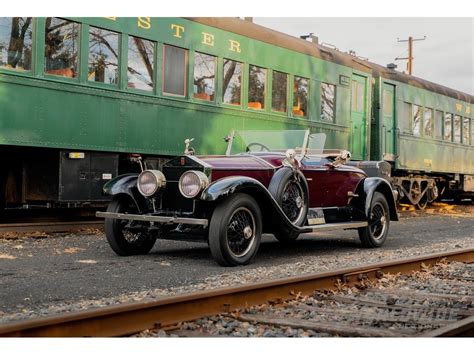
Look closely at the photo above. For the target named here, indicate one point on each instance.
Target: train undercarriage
(422, 189)
(33, 178)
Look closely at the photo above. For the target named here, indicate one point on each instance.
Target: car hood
(243, 161)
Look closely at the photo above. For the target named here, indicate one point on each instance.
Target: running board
(334, 226)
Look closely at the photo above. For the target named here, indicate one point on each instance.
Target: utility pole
(410, 58)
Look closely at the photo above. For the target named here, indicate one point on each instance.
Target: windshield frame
(300, 150)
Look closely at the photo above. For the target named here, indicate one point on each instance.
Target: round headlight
(150, 182)
(192, 182)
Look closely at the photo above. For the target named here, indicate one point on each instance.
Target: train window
(354, 95)
(360, 97)
(174, 70)
(232, 86)
(472, 131)
(279, 91)
(204, 76)
(61, 49)
(448, 127)
(300, 96)
(405, 118)
(388, 103)
(257, 78)
(465, 130)
(416, 116)
(328, 94)
(16, 40)
(103, 56)
(457, 129)
(438, 125)
(140, 63)
(428, 122)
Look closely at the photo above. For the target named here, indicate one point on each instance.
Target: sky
(446, 56)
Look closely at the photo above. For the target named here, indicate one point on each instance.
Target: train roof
(263, 34)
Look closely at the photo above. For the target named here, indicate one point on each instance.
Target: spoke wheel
(293, 201)
(378, 221)
(375, 234)
(122, 238)
(290, 191)
(241, 232)
(235, 230)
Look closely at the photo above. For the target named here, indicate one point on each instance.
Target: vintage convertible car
(278, 182)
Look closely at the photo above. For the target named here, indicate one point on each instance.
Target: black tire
(284, 180)
(375, 234)
(231, 222)
(122, 241)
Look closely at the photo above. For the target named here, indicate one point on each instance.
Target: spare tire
(290, 190)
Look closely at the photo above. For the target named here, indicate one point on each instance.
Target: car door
(329, 186)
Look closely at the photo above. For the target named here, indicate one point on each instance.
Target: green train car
(80, 97)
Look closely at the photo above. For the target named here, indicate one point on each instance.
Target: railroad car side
(86, 95)
(425, 131)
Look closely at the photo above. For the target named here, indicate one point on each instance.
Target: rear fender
(365, 192)
(126, 184)
(225, 187)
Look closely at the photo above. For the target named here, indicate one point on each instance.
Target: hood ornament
(188, 150)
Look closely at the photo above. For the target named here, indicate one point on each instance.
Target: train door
(388, 122)
(358, 117)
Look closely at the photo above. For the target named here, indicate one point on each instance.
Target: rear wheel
(123, 240)
(375, 234)
(235, 230)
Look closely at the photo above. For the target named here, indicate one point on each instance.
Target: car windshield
(277, 141)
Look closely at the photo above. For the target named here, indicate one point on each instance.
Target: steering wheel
(262, 146)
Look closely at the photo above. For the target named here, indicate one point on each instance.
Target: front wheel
(123, 240)
(375, 234)
(235, 230)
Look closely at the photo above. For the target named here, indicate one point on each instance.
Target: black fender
(227, 186)
(365, 191)
(126, 184)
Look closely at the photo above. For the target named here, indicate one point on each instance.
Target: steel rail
(132, 318)
(52, 226)
(462, 328)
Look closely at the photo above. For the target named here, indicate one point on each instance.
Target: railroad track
(49, 226)
(296, 302)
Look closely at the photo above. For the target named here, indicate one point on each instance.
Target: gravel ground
(423, 292)
(43, 276)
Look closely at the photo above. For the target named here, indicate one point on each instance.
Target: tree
(16, 48)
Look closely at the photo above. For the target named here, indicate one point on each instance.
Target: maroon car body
(230, 200)
(328, 185)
